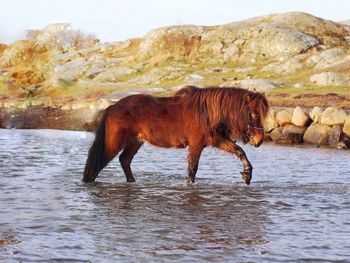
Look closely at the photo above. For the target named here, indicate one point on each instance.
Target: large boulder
(315, 114)
(333, 116)
(317, 134)
(328, 79)
(276, 135)
(114, 74)
(300, 117)
(284, 117)
(342, 65)
(335, 136)
(65, 74)
(270, 121)
(346, 128)
(286, 67)
(259, 84)
(325, 58)
(294, 133)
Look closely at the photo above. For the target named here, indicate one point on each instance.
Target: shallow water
(297, 207)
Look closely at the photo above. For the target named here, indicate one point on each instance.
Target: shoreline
(85, 116)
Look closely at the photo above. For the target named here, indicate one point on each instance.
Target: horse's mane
(223, 106)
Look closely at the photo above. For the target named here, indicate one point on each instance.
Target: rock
(265, 39)
(156, 75)
(341, 65)
(317, 134)
(194, 79)
(341, 145)
(114, 74)
(346, 128)
(231, 53)
(315, 114)
(270, 121)
(244, 69)
(325, 58)
(173, 41)
(295, 134)
(298, 85)
(333, 116)
(61, 35)
(65, 73)
(284, 117)
(335, 136)
(300, 118)
(276, 135)
(259, 84)
(327, 79)
(287, 67)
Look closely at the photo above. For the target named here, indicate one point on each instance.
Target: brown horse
(193, 117)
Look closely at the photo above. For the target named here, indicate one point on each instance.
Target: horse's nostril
(258, 144)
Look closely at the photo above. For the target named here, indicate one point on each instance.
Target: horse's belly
(164, 140)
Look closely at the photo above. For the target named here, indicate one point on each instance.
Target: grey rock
(284, 117)
(335, 136)
(276, 135)
(346, 128)
(270, 122)
(315, 114)
(328, 79)
(300, 117)
(333, 116)
(114, 74)
(259, 84)
(317, 134)
(294, 133)
(287, 67)
(68, 72)
(326, 58)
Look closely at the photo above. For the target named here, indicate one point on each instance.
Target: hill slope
(285, 55)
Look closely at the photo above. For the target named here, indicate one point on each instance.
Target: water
(297, 207)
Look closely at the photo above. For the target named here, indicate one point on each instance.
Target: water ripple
(296, 209)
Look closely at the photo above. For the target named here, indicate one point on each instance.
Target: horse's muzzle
(255, 143)
(258, 144)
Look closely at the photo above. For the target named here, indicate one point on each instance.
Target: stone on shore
(333, 116)
(346, 128)
(270, 121)
(284, 117)
(276, 135)
(294, 133)
(315, 114)
(317, 134)
(335, 136)
(300, 117)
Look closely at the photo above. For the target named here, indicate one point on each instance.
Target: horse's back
(158, 120)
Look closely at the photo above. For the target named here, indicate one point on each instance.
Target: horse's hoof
(247, 176)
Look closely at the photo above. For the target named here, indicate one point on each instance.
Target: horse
(193, 117)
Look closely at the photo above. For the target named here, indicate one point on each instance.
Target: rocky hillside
(291, 56)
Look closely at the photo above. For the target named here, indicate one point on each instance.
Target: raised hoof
(247, 176)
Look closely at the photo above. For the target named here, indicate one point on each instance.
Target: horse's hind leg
(126, 157)
(194, 153)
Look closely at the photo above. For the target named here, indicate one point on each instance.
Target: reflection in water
(296, 209)
(174, 219)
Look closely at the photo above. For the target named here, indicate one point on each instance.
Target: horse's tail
(95, 161)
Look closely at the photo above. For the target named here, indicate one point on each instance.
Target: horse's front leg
(194, 153)
(231, 147)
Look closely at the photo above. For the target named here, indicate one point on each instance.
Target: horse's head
(257, 111)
